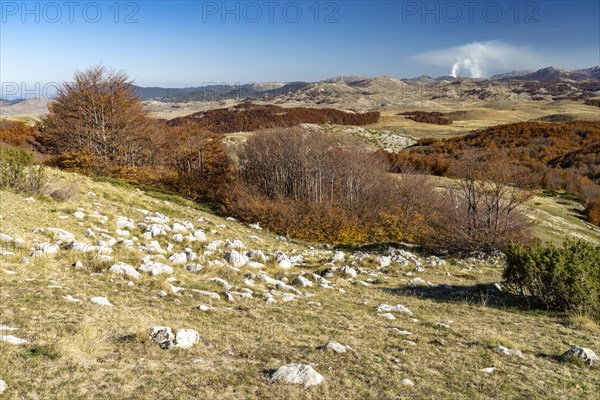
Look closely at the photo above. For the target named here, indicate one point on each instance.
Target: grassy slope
(555, 217)
(479, 115)
(81, 351)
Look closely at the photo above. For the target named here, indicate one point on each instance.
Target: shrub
(592, 211)
(566, 278)
(18, 173)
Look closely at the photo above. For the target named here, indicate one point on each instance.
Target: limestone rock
(10, 339)
(186, 338)
(163, 336)
(299, 374)
(301, 281)
(508, 352)
(122, 268)
(101, 301)
(335, 347)
(396, 308)
(582, 353)
(155, 268)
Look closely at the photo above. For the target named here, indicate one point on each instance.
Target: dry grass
(82, 351)
(478, 115)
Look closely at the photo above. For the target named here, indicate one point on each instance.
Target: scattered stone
(44, 249)
(124, 223)
(301, 281)
(178, 228)
(176, 290)
(384, 261)
(78, 215)
(299, 374)
(396, 308)
(223, 283)
(10, 339)
(200, 235)
(3, 386)
(228, 296)
(163, 336)
(349, 271)
(488, 370)
(122, 268)
(255, 265)
(401, 332)
(418, 282)
(122, 233)
(155, 268)
(6, 238)
(101, 301)
(388, 316)
(327, 273)
(257, 255)
(186, 338)
(157, 218)
(582, 353)
(335, 347)
(314, 303)
(236, 259)
(71, 299)
(212, 295)
(30, 199)
(194, 267)
(407, 382)
(7, 328)
(508, 352)
(338, 256)
(178, 259)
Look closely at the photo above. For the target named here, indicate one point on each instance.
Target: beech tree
(483, 209)
(99, 114)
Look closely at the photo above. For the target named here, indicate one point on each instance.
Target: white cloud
(481, 59)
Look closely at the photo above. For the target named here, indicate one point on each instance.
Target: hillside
(451, 319)
(558, 154)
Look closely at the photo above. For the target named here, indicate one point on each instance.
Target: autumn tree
(306, 184)
(482, 212)
(98, 114)
(200, 161)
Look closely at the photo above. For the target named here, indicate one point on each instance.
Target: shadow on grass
(489, 295)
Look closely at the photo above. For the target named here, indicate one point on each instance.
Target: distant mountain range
(269, 90)
(356, 93)
(219, 92)
(552, 74)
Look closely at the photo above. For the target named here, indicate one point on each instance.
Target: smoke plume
(479, 59)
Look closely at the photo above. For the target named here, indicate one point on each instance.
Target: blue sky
(190, 43)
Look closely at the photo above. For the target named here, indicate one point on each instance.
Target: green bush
(18, 172)
(566, 278)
